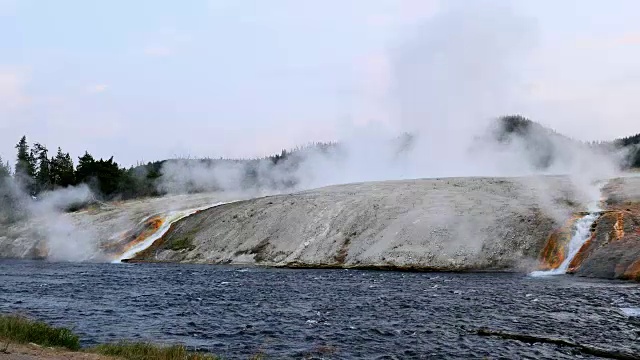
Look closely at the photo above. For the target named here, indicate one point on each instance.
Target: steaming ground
(428, 224)
(77, 236)
(452, 224)
(447, 104)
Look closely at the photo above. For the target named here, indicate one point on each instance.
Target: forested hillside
(516, 125)
(37, 170)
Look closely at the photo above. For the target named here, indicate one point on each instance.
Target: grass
(17, 329)
(146, 351)
(22, 330)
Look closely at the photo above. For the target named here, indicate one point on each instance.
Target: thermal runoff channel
(150, 230)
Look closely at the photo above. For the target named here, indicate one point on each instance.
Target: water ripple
(240, 312)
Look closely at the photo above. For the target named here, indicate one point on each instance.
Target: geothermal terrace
(453, 224)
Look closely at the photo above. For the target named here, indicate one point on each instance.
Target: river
(342, 314)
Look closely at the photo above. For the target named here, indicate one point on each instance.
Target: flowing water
(168, 219)
(331, 314)
(581, 234)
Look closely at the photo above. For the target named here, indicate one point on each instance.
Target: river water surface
(332, 314)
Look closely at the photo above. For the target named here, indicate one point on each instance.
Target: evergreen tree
(43, 168)
(7, 196)
(86, 168)
(62, 172)
(25, 166)
(104, 176)
(108, 175)
(68, 172)
(5, 169)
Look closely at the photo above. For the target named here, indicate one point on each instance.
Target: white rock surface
(455, 223)
(78, 236)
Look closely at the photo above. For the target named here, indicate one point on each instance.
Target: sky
(153, 79)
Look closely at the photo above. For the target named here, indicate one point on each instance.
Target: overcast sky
(153, 79)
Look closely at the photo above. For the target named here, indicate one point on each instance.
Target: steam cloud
(45, 220)
(451, 77)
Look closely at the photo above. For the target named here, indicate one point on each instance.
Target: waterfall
(581, 234)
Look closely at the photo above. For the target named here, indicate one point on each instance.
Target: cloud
(13, 94)
(158, 51)
(98, 88)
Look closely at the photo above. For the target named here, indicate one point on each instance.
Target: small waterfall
(581, 234)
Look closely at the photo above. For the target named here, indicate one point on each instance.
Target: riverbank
(25, 339)
(13, 351)
(455, 224)
(517, 224)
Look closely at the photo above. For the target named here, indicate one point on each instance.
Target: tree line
(520, 125)
(632, 143)
(36, 172)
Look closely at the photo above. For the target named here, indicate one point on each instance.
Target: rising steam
(44, 220)
(451, 76)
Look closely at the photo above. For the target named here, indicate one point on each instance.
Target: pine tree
(25, 166)
(62, 172)
(5, 169)
(86, 168)
(67, 172)
(43, 168)
(7, 196)
(109, 175)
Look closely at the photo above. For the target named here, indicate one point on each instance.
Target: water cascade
(160, 224)
(581, 235)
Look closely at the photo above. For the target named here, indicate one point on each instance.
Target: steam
(451, 76)
(253, 178)
(60, 238)
(64, 240)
